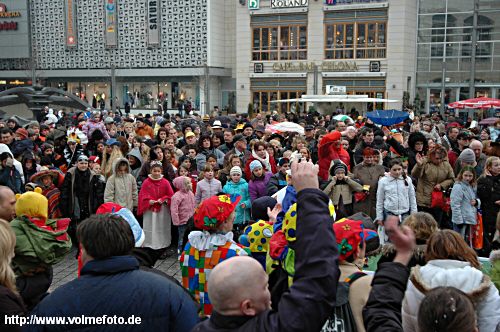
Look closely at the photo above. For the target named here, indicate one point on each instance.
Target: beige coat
(428, 175)
(358, 292)
(121, 189)
(335, 191)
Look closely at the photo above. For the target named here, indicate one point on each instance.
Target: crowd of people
(273, 230)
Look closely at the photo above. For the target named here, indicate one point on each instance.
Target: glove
(9, 162)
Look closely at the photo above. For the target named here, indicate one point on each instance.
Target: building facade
(143, 53)
(458, 51)
(288, 48)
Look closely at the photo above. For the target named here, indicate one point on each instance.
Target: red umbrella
(477, 103)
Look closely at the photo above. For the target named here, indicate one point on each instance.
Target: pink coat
(183, 203)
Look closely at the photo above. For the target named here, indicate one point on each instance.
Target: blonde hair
(423, 225)
(107, 164)
(489, 162)
(7, 245)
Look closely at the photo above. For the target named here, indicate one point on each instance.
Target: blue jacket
(462, 211)
(116, 286)
(240, 188)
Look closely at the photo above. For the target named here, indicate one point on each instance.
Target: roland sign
(289, 3)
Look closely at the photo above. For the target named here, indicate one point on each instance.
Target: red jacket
(328, 151)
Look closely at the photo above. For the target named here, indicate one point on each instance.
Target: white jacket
(395, 196)
(458, 274)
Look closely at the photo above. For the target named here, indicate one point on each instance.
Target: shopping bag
(477, 232)
(437, 199)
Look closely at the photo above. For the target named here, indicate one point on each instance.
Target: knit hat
(337, 166)
(213, 211)
(255, 164)
(82, 157)
(283, 161)
(260, 205)
(247, 125)
(467, 156)
(235, 170)
(349, 235)
(32, 204)
(22, 132)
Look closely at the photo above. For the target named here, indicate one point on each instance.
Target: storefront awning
(336, 99)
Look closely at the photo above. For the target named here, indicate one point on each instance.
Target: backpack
(342, 318)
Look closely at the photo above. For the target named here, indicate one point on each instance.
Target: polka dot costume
(258, 235)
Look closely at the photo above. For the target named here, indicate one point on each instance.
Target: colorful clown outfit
(207, 248)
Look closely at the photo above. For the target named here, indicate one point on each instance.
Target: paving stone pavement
(65, 270)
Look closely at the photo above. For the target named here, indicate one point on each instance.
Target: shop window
(262, 101)
(355, 40)
(279, 43)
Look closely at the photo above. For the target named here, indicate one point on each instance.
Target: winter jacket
(137, 154)
(258, 187)
(183, 203)
(201, 158)
(276, 183)
(10, 177)
(22, 146)
(121, 188)
(10, 304)
(462, 211)
(396, 196)
(429, 175)
(123, 290)
(343, 188)
(68, 193)
(92, 125)
(312, 296)
(383, 308)
(488, 191)
(452, 273)
(206, 189)
(17, 164)
(240, 188)
(369, 176)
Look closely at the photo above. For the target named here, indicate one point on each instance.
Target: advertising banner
(111, 23)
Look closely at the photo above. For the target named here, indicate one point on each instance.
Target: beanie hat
(22, 132)
(467, 156)
(337, 166)
(32, 204)
(247, 125)
(255, 164)
(235, 170)
(260, 205)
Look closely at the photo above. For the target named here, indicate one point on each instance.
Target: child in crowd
(464, 202)
(153, 206)
(395, 196)
(259, 180)
(183, 170)
(121, 187)
(182, 206)
(238, 186)
(208, 186)
(340, 190)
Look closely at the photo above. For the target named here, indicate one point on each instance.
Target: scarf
(265, 161)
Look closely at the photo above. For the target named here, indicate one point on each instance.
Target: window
(279, 43)
(262, 100)
(355, 40)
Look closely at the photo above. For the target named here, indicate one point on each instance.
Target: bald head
(7, 203)
(477, 147)
(238, 286)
